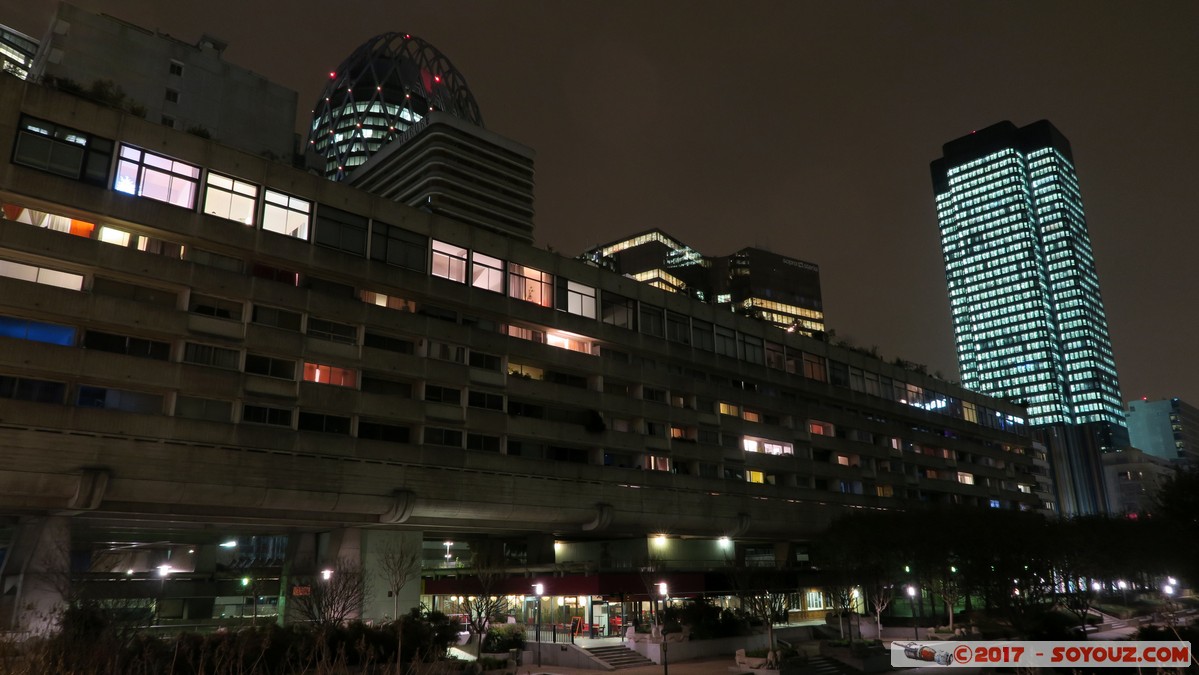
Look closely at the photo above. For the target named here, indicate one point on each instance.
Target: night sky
(802, 127)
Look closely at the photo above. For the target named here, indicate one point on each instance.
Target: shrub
(504, 636)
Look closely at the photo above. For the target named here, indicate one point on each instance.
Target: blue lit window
(36, 331)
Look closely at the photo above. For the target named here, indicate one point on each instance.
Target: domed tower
(390, 83)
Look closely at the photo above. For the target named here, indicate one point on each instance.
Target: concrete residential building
(758, 283)
(175, 83)
(213, 363)
(1134, 479)
(1024, 294)
(1166, 428)
(16, 52)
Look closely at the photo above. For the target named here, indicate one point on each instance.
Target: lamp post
(538, 590)
(665, 594)
(915, 616)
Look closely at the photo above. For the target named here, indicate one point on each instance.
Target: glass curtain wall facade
(1024, 294)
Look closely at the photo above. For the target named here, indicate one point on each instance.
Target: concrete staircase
(822, 665)
(619, 656)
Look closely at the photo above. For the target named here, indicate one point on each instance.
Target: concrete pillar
(35, 575)
(378, 547)
(300, 561)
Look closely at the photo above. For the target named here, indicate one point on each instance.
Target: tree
(332, 597)
(759, 597)
(487, 561)
(399, 564)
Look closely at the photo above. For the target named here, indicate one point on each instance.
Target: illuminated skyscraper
(1024, 295)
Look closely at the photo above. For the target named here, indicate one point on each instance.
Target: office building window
(399, 247)
(487, 272)
(230, 198)
(449, 261)
(63, 151)
(146, 174)
(285, 214)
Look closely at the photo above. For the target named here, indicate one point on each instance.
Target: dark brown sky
(803, 127)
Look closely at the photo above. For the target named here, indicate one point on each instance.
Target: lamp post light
(915, 619)
(665, 594)
(538, 590)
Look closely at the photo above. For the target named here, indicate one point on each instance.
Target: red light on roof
(437, 78)
(332, 74)
(407, 36)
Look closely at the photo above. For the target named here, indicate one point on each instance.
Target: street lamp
(538, 590)
(915, 619)
(665, 594)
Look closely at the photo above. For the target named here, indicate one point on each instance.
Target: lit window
(530, 285)
(325, 374)
(752, 476)
(388, 301)
(40, 275)
(285, 214)
(580, 299)
(230, 198)
(965, 478)
(751, 416)
(563, 340)
(766, 446)
(50, 221)
(147, 174)
(820, 428)
(487, 273)
(729, 409)
(449, 261)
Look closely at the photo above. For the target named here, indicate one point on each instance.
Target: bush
(504, 636)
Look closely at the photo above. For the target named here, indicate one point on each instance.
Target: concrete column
(300, 561)
(378, 547)
(35, 575)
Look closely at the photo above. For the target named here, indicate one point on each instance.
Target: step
(619, 657)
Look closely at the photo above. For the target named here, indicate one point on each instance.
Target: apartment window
(387, 342)
(726, 341)
(653, 322)
(678, 328)
(215, 260)
(63, 151)
(221, 308)
(285, 214)
(766, 446)
(158, 177)
(332, 331)
(261, 414)
(230, 198)
(437, 394)
(271, 367)
(119, 399)
(485, 361)
(653, 394)
(171, 96)
(775, 356)
(41, 275)
(483, 442)
(449, 261)
(175, 69)
(752, 476)
(399, 247)
(701, 335)
(580, 298)
(381, 431)
(530, 285)
(323, 423)
(127, 291)
(965, 478)
(751, 349)
(487, 272)
(36, 391)
(341, 230)
(326, 374)
(275, 317)
(448, 437)
(485, 400)
(209, 409)
(388, 301)
(617, 310)
(208, 355)
(385, 387)
(818, 428)
(167, 121)
(446, 352)
(527, 372)
(124, 344)
(751, 416)
(813, 368)
(36, 331)
(726, 408)
(125, 239)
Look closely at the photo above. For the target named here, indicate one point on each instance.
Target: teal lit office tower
(1024, 295)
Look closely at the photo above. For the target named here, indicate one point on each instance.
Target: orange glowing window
(325, 374)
